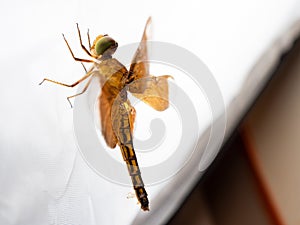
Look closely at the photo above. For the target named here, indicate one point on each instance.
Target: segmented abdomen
(123, 133)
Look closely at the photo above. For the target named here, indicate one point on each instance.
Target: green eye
(104, 44)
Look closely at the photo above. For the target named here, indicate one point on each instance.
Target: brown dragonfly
(117, 115)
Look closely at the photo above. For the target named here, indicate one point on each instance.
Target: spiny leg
(69, 85)
(88, 34)
(83, 90)
(75, 58)
(82, 46)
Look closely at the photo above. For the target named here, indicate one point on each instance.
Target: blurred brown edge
(243, 130)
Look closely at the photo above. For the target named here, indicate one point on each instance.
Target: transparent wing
(155, 93)
(139, 67)
(105, 108)
(112, 76)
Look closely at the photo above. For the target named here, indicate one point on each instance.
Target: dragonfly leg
(68, 85)
(84, 67)
(88, 35)
(75, 58)
(82, 46)
(83, 90)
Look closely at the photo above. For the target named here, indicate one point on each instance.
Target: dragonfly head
(104, 46)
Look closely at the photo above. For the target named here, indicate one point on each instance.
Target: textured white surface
(43, 178)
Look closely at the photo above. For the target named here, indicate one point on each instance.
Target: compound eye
(104, 44)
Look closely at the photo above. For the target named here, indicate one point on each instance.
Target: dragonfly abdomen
(124, 136)
(135, 174)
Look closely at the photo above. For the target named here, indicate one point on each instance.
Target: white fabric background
(43, 178)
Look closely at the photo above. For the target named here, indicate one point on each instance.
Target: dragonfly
(117, 115)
